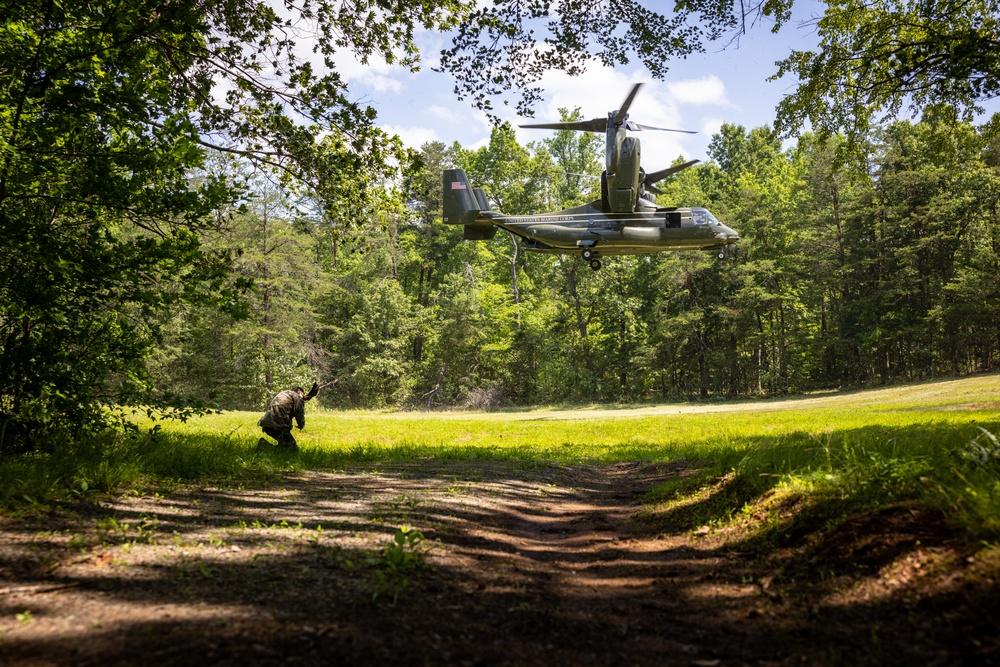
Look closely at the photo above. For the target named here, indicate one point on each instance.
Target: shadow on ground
(521, 566)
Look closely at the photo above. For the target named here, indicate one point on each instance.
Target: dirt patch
(543, 565)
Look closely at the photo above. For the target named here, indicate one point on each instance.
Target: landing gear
(590, 256)
(722, 255)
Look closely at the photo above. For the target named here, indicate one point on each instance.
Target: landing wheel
(588, 254)
(722, 255)
(595, 264)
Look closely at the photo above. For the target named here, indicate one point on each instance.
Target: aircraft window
(702, 216)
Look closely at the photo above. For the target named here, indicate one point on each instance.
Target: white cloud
(413, 137)
(422, 107)
(442, 112)
(482, 143)
(430, 43)
(706, 90)
(380, 83)
(376, 76)
(710, 126)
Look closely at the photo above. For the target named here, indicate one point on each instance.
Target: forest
(856, 268)
(197, 213)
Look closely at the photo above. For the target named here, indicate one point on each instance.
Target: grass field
(931, 443)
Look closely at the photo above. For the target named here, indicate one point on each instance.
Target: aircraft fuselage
(648, 229)
(592, 230)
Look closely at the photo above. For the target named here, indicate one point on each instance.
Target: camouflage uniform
(277, 421)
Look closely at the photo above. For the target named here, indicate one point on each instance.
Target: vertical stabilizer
(460, 205)
(463, 205)
(482, 200)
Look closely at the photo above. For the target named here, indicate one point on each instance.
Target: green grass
(930, 443)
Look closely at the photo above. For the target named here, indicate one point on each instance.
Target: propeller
(595, 125)
(622, 114)
(601, 124)
(656, 176)
(635, 127)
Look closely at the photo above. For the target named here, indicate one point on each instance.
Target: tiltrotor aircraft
(625, 221)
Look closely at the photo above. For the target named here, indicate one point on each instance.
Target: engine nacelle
(623, 185)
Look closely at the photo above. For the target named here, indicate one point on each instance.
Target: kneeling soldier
(277, 420)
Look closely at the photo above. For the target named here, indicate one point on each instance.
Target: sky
(700, 93)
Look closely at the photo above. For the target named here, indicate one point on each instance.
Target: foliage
(507, 45)
(369, 341)
(403, 554)
(517, 181)
(106, 112)
(874, 58)
(577, 157)
(848, 273)
(242, 362)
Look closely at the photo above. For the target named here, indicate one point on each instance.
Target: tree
(507, 45)
(516, 179)
(369, 329)
(876, 57)
(832, 194)
(577, 156)
(243, 361)
(107, 111)
(926, 192)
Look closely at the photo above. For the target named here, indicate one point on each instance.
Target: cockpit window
(702, 216)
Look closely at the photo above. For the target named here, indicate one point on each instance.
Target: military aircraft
(625, 221)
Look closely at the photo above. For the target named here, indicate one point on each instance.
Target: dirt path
(521, 566)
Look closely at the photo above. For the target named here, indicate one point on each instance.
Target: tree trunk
(513, 276)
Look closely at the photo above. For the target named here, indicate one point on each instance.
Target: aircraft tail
(463, 205)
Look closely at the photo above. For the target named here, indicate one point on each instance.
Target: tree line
(855, 268)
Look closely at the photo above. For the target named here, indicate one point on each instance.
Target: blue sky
(699, 93)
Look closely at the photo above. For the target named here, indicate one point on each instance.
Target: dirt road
(520, 566)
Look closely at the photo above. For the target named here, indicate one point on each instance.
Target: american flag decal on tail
(457, 185)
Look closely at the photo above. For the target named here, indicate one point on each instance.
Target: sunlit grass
(907, 443)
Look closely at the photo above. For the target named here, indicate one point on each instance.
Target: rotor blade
(652, 188)
(635, 127)
(594, 125)
(621, 113)
(655, 176)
